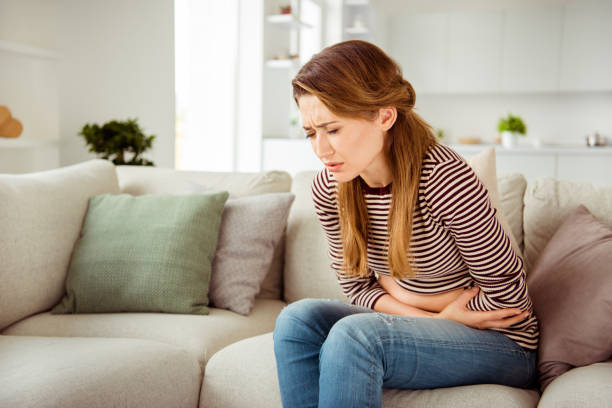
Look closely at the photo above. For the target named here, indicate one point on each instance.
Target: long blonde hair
(355, 79)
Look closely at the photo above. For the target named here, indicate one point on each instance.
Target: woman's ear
(387, 117)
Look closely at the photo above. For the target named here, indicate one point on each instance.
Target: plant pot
(509, 139)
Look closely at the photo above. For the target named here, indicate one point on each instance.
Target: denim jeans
(331, 354)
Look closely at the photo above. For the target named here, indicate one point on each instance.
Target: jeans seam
(457, 345)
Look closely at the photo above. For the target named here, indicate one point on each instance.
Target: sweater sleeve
(460, 203)
(361, 291)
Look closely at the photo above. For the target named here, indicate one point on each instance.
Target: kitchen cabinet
(423, 58)
(586, 61)
(531, 50)
(474, 51)
(563, 47)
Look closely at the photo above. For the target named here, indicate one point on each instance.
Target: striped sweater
(456, 241)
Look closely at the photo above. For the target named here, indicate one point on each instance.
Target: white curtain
(212, 43)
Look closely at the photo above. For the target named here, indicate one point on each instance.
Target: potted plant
(511, 128)
(117, 141)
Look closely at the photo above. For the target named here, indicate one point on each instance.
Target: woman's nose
(322, 147)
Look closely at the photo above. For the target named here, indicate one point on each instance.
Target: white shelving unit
(28, 80)
(358, 20)
(289, 41)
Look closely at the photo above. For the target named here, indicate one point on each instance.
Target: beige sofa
(222, 359)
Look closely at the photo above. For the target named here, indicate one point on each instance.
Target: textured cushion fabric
(571, 288)
(484, 165)
(511, 193)
(40, 219)
(151, 253)
(250, 230)
(200, 335)
(548, 202)
(50, 372)
(582, 387)
(246, 371)
(137, 180)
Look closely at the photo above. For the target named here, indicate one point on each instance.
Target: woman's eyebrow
(321, 125)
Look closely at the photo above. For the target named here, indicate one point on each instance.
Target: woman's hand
(499, 319)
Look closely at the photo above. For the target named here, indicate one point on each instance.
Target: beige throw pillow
(484, 166)
(571, 288)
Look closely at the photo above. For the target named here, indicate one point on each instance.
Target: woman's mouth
(333, 167)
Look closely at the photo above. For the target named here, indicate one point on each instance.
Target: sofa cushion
(548, 202)
(40, 218)
(138, 180)
(246, 371)
(151, 253)
(76, 372)
(582, 387)
(200, 335)
(307, 271)
(250, 230)
(484, 165)
(571, 288)
(511, 193)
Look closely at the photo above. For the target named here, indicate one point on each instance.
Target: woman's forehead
(314, 111)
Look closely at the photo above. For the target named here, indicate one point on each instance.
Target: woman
(410, 229)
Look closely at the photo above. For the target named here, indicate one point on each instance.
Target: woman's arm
(456, 311)
(460, 203)
(389, 304)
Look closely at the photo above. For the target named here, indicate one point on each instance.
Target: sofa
(222, 359)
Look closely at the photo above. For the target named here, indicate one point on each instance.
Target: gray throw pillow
(571, 289)
(144, 254)
(251, 227)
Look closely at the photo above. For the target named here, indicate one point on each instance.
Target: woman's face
(349, 147)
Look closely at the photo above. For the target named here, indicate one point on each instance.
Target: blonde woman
(437, 294)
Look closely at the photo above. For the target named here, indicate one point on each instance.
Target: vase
(509, 139)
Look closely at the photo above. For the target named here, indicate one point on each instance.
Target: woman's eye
(332, 131)
(308, 136)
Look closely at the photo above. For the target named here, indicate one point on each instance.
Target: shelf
(562, 149)
(287, 21)
(21, 143)
(282, 63)
(356, 2)
(356, 30)
(23, 49)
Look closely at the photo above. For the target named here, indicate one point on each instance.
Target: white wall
(30, 22)
(117, 62)
(562, 118)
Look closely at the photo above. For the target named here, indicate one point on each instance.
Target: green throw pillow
(151, 253)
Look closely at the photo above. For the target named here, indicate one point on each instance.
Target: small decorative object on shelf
(440, 134)
(511, 128)
(116, 138)
(10, 127)
(285, 9)
(596, 140)
(470, 140)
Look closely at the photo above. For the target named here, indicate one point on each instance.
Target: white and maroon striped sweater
(456, 240)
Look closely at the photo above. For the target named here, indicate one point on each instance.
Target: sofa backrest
(137, 180)
(548, 202)
(307, 271)
(41, 215)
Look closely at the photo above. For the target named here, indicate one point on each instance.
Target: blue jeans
(331, 354)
